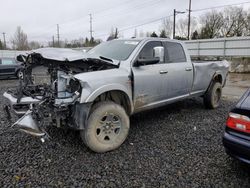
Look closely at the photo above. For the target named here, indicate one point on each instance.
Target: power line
(195, 10)
(135, 8)
(113, 8)
(126, 10)
(222, 6)
(138, 25)
(155, 3)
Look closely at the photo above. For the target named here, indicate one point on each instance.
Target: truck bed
(204, 72)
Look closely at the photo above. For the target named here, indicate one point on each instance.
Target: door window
(8, 62)
(174, 52)
(147, 51)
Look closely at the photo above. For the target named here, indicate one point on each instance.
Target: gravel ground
(176, 146)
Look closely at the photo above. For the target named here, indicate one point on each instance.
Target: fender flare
(107, 88)
(217, 73)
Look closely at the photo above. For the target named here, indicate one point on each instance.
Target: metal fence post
(224, 49)
(198, 49)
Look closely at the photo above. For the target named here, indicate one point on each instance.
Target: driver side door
(149, 79)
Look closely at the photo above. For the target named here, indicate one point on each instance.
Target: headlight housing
(73, 85)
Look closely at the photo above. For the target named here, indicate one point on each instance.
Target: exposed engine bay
(51, 84)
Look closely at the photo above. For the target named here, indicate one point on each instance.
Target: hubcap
(108, 128)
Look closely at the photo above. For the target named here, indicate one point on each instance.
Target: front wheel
(213, 96)
(107, 127)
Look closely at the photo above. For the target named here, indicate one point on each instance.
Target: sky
(39, 18)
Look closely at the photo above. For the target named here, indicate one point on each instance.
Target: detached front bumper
(19, 108)
(26, 123)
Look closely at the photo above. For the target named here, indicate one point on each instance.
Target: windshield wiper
(105, 58)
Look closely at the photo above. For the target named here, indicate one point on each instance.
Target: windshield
(115, 49)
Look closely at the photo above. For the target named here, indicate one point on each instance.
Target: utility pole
(189, 17)
(53, 41)
(175, 13)
(90, 25)
(58, 36)
(174, 24)
(4, 41)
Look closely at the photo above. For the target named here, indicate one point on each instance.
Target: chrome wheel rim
(108, 128)
(20, 74)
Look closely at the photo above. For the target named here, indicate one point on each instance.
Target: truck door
(148, 79)
(180, 71)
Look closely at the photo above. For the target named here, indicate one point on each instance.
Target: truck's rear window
(175, 52)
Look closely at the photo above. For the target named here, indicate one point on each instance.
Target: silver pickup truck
(97, 91)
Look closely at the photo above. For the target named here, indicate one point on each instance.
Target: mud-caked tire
(107, 127)
(212, 97)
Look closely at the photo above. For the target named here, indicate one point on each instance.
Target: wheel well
(218, 78)
(116, 96)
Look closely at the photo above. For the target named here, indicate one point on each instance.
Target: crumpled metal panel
(204, 72)
(60, 54)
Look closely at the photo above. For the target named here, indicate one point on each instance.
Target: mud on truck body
(97, 91)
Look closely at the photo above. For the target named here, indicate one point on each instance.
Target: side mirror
(141, 62)
(159, 52)
(21, 58)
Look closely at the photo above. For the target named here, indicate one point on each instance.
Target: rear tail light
(238, 122)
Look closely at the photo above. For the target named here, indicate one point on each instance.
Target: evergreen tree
(195, 35)
(86, 43)
(163, 34)
(153, 35)
(1, 45)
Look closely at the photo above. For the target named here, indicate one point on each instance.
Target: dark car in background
(10, 67)
(236, 138)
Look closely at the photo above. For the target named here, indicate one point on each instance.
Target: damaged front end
(49, 94)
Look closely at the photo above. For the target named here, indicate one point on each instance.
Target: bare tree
(234, 21)
(20, 40)
(247, 30)
(34, 45)
(1, 45)
(211, 23)
(167, 26)
(182, 26)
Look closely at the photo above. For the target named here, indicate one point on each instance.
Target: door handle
(163, 72)
(188, 69)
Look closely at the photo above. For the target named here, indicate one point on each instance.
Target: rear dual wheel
(107, 127)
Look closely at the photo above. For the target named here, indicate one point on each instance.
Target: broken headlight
(73, 86)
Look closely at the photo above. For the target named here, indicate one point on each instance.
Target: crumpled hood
(68, 55)
(60, 54)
